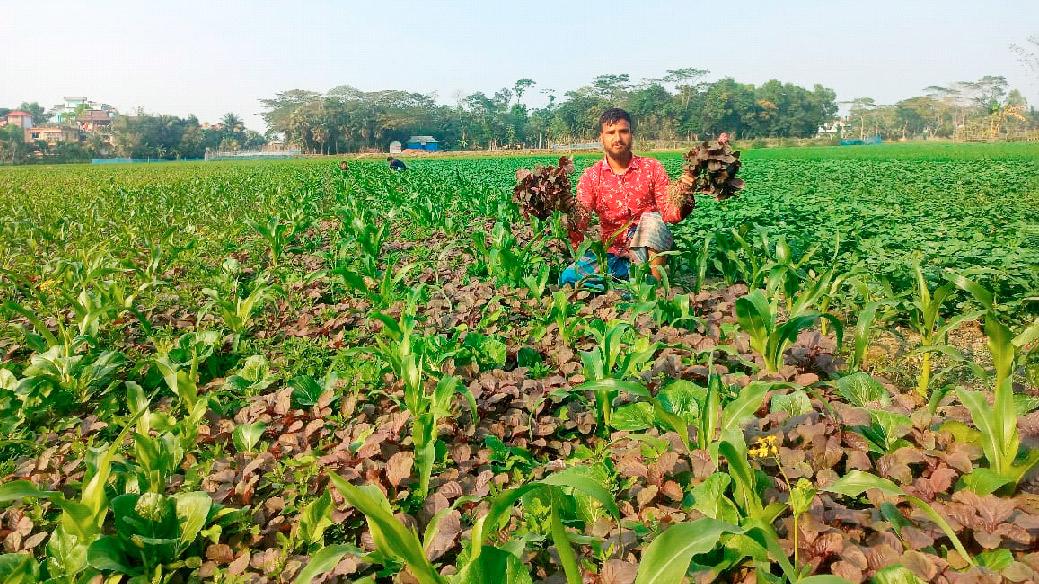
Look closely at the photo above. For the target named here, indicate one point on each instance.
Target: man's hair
(389, 158)
(612, 116)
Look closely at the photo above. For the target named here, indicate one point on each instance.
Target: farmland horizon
(197, 67)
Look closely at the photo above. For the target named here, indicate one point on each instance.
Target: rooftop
(95, 116)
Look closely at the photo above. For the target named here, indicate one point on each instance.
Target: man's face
(616, 138)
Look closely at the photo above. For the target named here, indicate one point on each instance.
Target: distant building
(834, 128)
(19, 118)
(60, 113)
(52, 134)
(95, 120)
(395, 147)
(422, 143)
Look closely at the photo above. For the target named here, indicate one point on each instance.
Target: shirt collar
(633, 165)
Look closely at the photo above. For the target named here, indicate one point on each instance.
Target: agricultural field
(282, 372)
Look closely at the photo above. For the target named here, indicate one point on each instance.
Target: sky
(218, 56)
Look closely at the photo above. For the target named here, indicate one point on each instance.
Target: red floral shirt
(620, 199)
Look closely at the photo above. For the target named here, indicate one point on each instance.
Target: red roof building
(21, 119)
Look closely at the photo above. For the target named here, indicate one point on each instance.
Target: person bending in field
(630, 194)
(396, 163)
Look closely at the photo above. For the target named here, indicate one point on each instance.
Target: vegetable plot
(290, 373)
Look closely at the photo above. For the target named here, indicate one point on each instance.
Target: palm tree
(232, 123)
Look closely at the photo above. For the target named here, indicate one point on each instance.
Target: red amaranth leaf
(544, 190)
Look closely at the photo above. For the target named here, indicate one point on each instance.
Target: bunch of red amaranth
(546, 189)
(710, 168)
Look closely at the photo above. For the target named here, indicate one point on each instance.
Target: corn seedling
(926, 320)
(608, 367)
(997, 422)
(276, 233)
(237, 311)
(426, 407)
(484, 563)
(759, 318)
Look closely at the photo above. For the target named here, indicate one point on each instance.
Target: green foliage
(247, 436)
(610, 364)
(561, 313)
(19, 569)
(896, 575)
(667, 557)
(860, 389)
(314, 520)
(794, 403)
(997, 422)
(405, 355)
(323, 561)
(863, 325)
(237, 311)
(392, 538)
(276, 233)
(505, 458)
(484, 563)
(252, 379)
(926, 320)
(884, 433)
(502, 257)
(152, 531)
(160, 441)
(306, 391)
(758, 317)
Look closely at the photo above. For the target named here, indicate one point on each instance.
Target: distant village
(80, 129)
(71, 121)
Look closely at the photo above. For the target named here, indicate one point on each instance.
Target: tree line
(982, 109)
(678, 106)
(164, 136)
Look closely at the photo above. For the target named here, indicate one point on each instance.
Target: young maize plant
(403, 352)
(484, 563)
(926, 320)
(997, 422)
(610, 365)
(759, 318)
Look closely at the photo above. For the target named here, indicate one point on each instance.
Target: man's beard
(620, 150)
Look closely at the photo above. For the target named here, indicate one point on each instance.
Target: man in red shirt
(630, 195)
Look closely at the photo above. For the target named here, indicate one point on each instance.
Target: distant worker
(723, 138)
(396, 163)
(344, 166)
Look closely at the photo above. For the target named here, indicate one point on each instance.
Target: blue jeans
(587, 267)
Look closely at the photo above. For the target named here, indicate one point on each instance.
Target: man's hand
(687, 181)
(682, 197)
